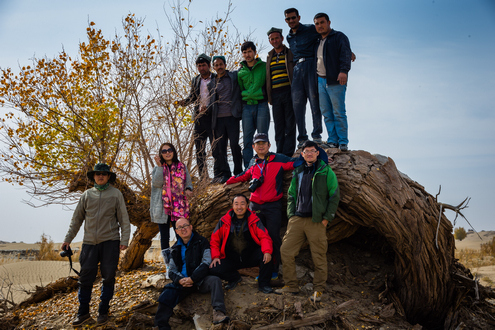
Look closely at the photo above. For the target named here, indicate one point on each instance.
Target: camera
(66, 253)
(255, 184)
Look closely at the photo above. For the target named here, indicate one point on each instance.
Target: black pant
(172, 294)
(227, 269)
(165, 233)
(202, 132)
(227, 130)
(107, 254)
(285, 121)
(270, 215)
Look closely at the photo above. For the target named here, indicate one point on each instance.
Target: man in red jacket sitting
(240, 241)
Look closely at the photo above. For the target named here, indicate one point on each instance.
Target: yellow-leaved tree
(111, 103)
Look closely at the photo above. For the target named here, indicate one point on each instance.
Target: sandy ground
(17, 277)
(473, 241)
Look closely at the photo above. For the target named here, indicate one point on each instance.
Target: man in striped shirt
(278, 80)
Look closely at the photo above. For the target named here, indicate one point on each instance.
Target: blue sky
(422, 90)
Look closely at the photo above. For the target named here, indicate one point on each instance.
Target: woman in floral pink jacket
(171, 187)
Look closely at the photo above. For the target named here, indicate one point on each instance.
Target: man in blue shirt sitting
(189, 268)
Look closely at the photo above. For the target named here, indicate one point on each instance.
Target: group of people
(314, 67)
(249, 234)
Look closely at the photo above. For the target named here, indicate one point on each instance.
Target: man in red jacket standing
(266, 172)
(240, 241)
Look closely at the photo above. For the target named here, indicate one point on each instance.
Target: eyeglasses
(101, 173)
(310, 151)
(293, 18)
(166, 151)
(182, 227)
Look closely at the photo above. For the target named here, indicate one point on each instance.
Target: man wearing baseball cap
(266, 172)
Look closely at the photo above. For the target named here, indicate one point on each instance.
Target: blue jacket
(336, 55)
(198, 259)
(302, 42)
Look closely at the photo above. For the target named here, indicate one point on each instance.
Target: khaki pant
(299, 230)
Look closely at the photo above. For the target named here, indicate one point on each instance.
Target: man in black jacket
(202, 88)
(189, 267)
(333, 54)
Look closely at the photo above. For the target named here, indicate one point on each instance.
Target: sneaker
(318, 141)
(102, 319)
(266, 289)
(287, 289)
(343, 147)
(219, 317)
(233, 284)
(316, 296)
(300, 144)
(81, 319)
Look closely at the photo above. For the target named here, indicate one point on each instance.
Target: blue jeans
(254, 117)
(332, 103)
(304, 87)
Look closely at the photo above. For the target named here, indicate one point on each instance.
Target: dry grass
(48, 251)
(473, 259)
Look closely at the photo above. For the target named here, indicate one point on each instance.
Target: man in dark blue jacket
(302, 39)
(333, 54)
(189, 268)
(226, 114)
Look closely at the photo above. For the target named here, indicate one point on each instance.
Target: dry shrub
(48, 252)
(472, 258)
(489, 248)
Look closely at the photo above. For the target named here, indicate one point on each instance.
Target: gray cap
(261, 137)
(274, 29)
(203, 57)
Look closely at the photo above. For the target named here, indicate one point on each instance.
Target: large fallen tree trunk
(375, 194)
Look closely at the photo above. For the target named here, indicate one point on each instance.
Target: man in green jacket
(312, 202)
(255, 112)
(103, 211)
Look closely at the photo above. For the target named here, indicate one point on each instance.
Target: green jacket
(252, 82)
(103, 213)
(325, 192)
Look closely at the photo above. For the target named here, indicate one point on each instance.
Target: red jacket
(221, 233)
(273, 168)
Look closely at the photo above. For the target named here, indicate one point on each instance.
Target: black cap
(202, 58)
(261, 137)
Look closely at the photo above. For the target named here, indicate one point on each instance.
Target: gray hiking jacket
(103, 213)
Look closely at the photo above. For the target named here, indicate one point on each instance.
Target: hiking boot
(81, 319)
(316, 296)
(318, 141)
(219, 317)
(343, 147)
(287, 289)
(300, 144)
(102, 319)
(233, 284)
(266, 289)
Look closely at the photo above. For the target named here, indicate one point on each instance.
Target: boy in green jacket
(312, 202)
(255, 112)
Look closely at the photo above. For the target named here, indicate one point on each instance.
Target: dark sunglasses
(166, 151)
(290, 18)
(101, 173)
